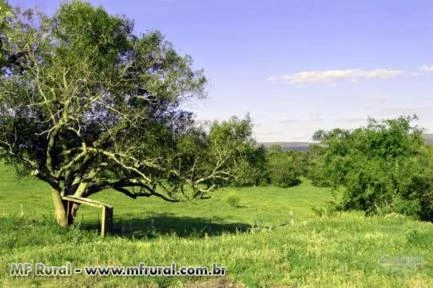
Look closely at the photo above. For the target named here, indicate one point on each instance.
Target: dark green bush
(385, 167)
(285, 167)
(315, 166)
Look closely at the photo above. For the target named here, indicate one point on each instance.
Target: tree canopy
(86, 105)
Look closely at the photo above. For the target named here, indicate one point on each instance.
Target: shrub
(385, 167)
(284, 167)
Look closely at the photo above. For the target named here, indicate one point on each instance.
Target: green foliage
(252, 169)
(285, 167)
(384, 167)
(315, 166)
(88, 105)
(230, 147)
(5, 13)
(232, 140)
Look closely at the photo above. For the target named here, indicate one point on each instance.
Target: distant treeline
(300, 146)
(303, 146)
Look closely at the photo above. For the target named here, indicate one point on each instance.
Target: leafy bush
(252, 170)
(284, 167)
(384, 167)
(314, 166)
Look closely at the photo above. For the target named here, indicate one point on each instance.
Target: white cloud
(426, 68)
(331, 76)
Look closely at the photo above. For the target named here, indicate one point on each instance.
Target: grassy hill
(266, 237)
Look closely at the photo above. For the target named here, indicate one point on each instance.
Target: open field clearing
(271, 238)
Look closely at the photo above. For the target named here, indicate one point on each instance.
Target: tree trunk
(64, 216)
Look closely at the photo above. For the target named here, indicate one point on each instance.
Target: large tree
(87, 105)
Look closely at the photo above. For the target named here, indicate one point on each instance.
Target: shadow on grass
(169, 224)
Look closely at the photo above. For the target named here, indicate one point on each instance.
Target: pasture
(264, 236)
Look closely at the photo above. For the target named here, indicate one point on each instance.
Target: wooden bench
(106, 216)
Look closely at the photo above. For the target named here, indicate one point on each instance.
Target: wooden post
(106, 220)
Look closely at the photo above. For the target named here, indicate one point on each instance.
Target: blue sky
(297, 66)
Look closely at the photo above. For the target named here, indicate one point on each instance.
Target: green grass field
(270, 238)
